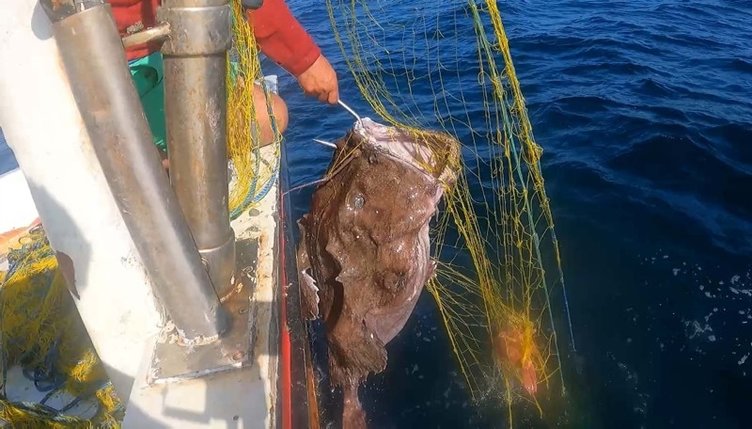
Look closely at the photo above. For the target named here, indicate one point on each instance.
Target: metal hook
(325, 143)
(349, 109)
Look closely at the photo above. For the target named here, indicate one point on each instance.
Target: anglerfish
(364, 255)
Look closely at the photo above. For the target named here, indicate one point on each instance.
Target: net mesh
(41, 336)
(448, 66)
(254, 172)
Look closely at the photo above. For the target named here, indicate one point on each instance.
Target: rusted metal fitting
(199, 27)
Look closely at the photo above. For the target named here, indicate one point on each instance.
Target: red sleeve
(281, 37)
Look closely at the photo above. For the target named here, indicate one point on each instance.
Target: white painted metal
(17, 209)
(242, 398)
(44, 128)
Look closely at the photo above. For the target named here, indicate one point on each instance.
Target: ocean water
(644, 111)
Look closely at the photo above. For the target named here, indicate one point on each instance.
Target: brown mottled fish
(364, 254)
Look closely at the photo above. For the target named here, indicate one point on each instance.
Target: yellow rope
(253, 171)
(41, 331)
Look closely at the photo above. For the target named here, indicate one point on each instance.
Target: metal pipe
(195, 67)
(94, 59)
(153, 34)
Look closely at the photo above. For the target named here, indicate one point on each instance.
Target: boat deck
(237, 397)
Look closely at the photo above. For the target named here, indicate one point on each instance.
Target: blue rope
(254, 197)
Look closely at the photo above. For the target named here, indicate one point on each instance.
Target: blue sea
(644, 111)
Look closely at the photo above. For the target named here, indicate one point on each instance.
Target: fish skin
(364, 253)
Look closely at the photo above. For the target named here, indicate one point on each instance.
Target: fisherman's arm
(281, 37)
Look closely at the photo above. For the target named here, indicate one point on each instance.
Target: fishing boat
(189, 333)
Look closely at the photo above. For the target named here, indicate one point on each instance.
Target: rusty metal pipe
(195, 66)
(153, 34)
(95, 62)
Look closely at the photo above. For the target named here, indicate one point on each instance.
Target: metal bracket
(172, 361)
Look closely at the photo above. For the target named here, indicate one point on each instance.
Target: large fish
(364, 253)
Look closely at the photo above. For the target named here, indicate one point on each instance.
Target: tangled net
(40, 338)
(254, 172)
(498, 254)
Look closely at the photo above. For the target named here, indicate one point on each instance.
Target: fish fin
(308, 288)
(301, 256)
(309, 292)
(354, 351)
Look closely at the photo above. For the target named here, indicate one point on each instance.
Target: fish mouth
(434, 153)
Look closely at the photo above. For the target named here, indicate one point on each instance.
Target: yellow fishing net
(42, 339)
(255, 171)
(448, 66)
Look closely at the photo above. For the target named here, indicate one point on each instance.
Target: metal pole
(195, 66)
(94, 59)
(158, 32)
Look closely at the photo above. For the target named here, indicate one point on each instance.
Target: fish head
(431, 152)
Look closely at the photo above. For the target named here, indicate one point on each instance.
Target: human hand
(320, 81)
